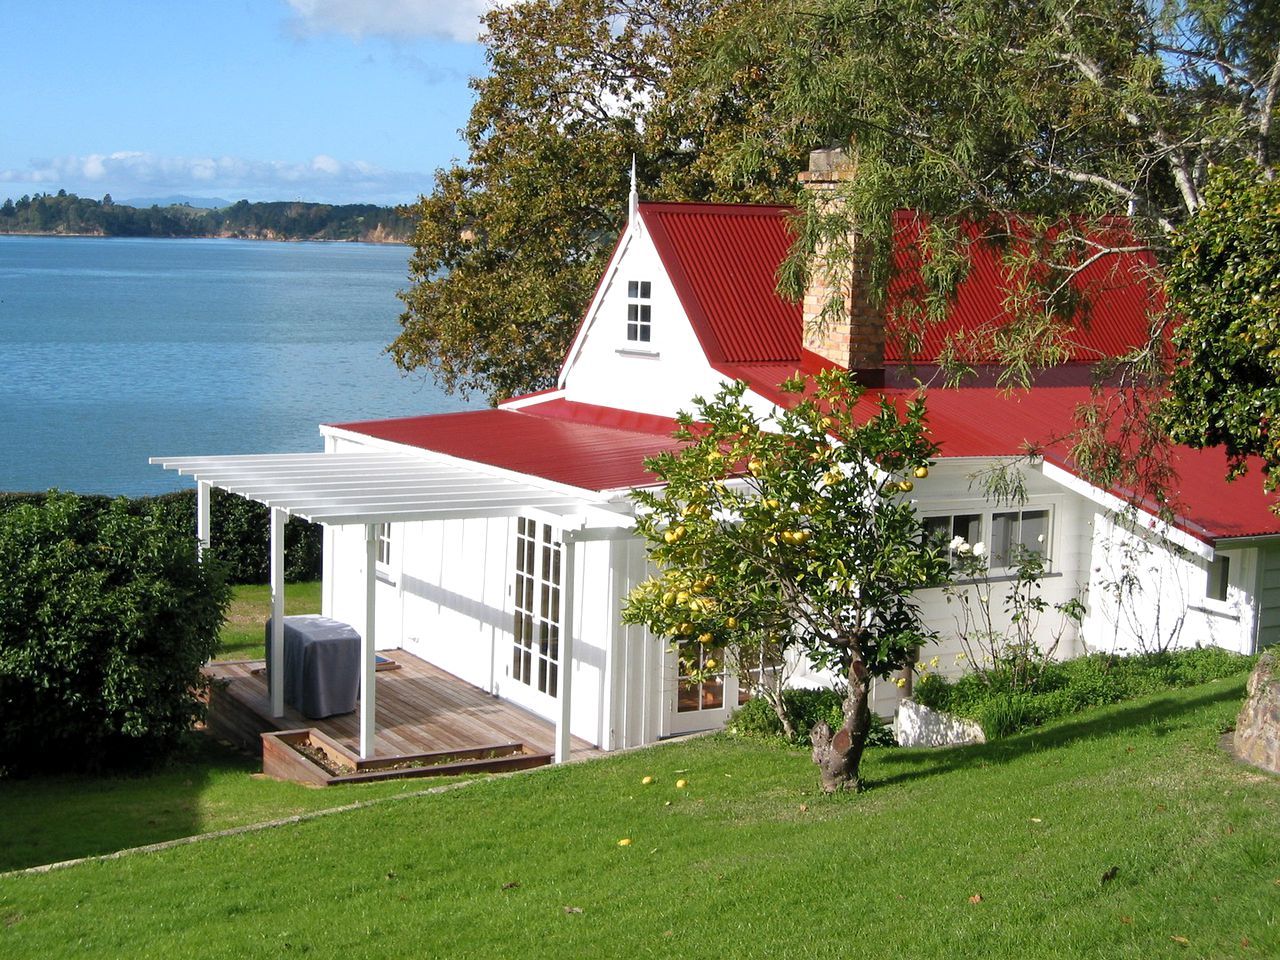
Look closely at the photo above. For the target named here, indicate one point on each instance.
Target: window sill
(1213, 610)
(383, 577)
(637, 352)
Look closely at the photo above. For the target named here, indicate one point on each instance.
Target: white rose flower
(979, 548)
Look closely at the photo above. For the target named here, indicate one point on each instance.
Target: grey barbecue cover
(321, 665)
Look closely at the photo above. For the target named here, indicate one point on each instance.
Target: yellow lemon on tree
(922, 471)
(731, 623)
(906, 486)
(705, 638)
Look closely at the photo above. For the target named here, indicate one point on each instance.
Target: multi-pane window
(535, 654)
(639, 311)
(384, 544)
(1005, 534)
(704, 694)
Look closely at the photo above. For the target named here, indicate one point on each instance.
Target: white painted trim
(564, 716)
(1111, 502)
(203, 534)
(519, 403)
(589, 318)
(276, 678)
(368, 656)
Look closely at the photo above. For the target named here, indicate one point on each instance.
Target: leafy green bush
(105, 620)
(1070, 686)
(756, 720)
(241, 535)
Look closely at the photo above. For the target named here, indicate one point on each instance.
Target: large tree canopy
(1225, 279)
(511, 242)
(1027, 126)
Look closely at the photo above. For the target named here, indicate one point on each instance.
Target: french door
(533, 668)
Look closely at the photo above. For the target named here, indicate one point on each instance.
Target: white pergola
(367, 488)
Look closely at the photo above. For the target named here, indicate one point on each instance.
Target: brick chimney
(853, 334)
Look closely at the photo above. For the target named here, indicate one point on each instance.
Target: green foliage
(757, 720)
(510, 243)
(1015, 655)
(1225, 280)
(777, 533)
(1002, 705)
(241, 534)
(66, 213)
(106, 618)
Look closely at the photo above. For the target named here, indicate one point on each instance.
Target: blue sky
(330, 100)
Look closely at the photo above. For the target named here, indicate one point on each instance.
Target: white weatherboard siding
(1144, 595)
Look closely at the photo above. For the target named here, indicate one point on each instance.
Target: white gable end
(659, 375)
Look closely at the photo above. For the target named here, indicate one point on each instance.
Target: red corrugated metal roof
(578, 452)
(723, 260)
(1117, 292)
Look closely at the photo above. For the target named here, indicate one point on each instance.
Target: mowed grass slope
(994, 851)
(243, 635)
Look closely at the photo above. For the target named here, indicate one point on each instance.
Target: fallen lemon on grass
(647, 780)
(624, 842)
(681, 784)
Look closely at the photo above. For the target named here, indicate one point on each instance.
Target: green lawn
(242, 634)
(207, 787)
(996, 851)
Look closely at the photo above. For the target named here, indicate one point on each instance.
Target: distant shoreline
(389, 242)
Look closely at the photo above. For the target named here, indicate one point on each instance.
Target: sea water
(114, 350)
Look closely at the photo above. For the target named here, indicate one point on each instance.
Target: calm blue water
(115, 350)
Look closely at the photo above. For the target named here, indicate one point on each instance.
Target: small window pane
(1219, 574)
(1004, 534)
(633, 289)
(1035, 531)
(644, 289)
(969, 526)
(937, 531)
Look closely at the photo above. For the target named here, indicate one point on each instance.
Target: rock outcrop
(1257, 736)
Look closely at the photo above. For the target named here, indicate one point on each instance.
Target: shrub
(105, 620)
(1067, 687)
(756, 719)
(241, 536)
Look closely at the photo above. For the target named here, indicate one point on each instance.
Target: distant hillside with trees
(66, 214)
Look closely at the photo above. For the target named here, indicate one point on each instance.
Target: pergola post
(278, 517)
(202, 518)
(563, 734)
(368, 654)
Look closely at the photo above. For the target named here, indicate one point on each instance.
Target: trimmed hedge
(106, 618)
(240, 530)
(1069, 686)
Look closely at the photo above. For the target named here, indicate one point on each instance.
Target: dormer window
(639, 311)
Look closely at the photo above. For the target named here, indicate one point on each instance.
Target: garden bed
(310, 756)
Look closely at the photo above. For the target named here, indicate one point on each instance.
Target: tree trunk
(838, 753)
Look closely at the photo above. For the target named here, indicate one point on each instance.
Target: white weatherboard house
(498, 543)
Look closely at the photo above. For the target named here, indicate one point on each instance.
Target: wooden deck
(420, 708)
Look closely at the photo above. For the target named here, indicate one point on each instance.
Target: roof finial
(633, 202)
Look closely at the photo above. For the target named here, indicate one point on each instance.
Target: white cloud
(129, 172)
(392, 19)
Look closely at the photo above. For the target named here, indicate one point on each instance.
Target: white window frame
(538, 614)
(383, 567)
(986, 514)
(639, 327)
(1218, 572)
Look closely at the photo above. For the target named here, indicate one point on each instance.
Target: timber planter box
(310, 756)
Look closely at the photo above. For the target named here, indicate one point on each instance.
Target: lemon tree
(797, 534)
